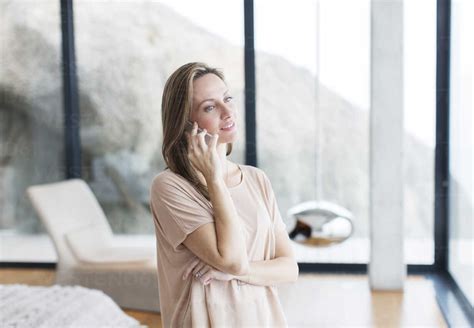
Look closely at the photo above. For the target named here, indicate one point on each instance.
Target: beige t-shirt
(178, 209)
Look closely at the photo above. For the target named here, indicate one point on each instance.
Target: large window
(125, 52)
(313, 91)
(312, 69)
(31, 122)
(461, 177)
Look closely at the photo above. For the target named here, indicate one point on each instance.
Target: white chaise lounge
(88, 253)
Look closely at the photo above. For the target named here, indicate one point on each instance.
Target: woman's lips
(229, 128)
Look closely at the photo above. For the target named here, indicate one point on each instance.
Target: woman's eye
(227, 99)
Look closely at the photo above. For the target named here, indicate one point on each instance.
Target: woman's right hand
(206, 273)
(203, 157)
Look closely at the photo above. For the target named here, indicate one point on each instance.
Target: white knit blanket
(59, 306)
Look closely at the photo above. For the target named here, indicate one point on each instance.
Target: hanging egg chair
(320, 223)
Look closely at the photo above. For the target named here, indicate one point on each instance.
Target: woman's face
(213, 107)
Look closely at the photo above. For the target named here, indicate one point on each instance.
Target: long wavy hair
(176, 107)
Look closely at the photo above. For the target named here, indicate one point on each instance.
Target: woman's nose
(227, 110)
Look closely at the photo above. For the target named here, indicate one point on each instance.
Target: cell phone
(207, 136)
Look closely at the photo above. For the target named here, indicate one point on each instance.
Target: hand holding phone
(207, 136)
(207, 160)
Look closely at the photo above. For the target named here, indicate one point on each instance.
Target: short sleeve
(176, 210)
(277, 220)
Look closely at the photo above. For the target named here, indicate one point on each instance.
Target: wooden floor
(316, 300)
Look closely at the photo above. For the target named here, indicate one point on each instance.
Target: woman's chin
(227, 138)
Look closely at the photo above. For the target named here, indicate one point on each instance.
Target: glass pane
(420, 128)
(312, 98)
(31, 123)
(461, 178)
(125, 53)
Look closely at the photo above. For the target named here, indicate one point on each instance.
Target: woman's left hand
(205, 272)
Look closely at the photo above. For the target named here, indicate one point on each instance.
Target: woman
(221, 243)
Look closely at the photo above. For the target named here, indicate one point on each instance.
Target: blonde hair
(176, 107)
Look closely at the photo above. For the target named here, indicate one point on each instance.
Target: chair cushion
(90, 244)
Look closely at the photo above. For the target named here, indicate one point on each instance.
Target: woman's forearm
(230, 235)
(271, 272)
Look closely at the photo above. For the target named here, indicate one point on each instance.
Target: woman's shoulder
(167, 179)
(165, 174)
